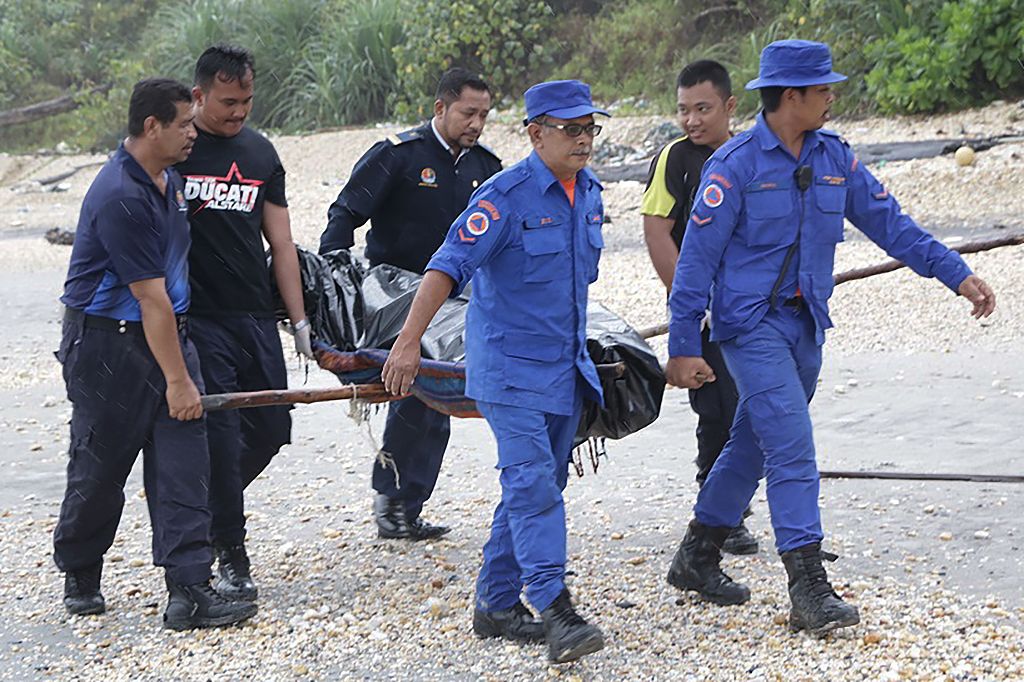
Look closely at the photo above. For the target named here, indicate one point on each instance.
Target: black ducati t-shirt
(227, 180)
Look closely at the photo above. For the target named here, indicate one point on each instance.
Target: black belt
(795, 302)
(127, 326)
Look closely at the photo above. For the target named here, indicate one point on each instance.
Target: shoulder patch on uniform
(713, 196)
(507, 179)
(404, 136)
(490, 208)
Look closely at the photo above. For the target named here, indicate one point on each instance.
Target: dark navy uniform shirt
(532, 257)
(128, 232)
(749, 210)
(412, 189)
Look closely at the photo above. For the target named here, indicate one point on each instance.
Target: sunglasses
(575, 129)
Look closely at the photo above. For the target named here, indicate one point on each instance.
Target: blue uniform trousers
(415, 437)
(527, 543)
(240, 354)
(119, 407)
(776, 368)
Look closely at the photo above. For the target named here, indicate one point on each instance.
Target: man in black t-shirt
(706, 103)
(234, 185)
(412, 186)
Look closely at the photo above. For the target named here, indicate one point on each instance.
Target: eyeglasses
(575, 129)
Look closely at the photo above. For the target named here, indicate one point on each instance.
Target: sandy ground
(910, 384)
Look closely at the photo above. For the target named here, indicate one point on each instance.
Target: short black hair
(236, 63)
(771, 97)
(453, 81)
(706, 70)
(156, 97)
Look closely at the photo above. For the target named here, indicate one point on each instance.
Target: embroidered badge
(490, 208)
(713, 196)
(698, 221)
(477, 223)
(833, 179)
(180, 198)
(882, 195)
(428, 178)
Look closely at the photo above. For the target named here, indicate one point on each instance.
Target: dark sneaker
(82, 595)
(234, 579)
(695, 567)
(815, 605)
(516, 623)
(569, 637)
(201, 606)
(740, 541)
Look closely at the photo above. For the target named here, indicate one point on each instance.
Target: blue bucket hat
(561, 99)
(795, 64)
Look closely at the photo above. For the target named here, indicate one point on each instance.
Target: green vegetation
(325, 63)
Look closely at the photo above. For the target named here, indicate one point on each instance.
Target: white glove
(303, 346)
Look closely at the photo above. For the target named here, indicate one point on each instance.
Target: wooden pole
(880, 268)
(230, 401)
(900, 476)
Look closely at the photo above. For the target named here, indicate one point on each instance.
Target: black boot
(516, 623)
(815, 605)
(82, 595)
(201, 606)
(234, 580)
(569, 637)
(695, 566)
(740, 541)
(394, 524)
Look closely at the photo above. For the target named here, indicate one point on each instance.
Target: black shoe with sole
(516, 624)
(201, 606)
(234, 579)
(695, 567)
(82, 595)
(815, 605)
(394, 524)
(569, 637)
(740, 541)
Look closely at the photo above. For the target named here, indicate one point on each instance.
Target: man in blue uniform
(132, 373)
(412, 186)
(530, 240)
(760, 246)
(235, 188)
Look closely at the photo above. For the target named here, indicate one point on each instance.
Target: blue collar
(132, 167)
(545, 178)
(767, 138)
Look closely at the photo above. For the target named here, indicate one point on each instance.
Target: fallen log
(888, 266)
(53, 107)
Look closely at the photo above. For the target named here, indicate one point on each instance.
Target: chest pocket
(771, 218)
(830, 201)
(545, 249)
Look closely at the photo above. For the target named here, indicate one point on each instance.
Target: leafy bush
(505, 41)
(968, 54)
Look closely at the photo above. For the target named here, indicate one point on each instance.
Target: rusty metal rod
(880, 268)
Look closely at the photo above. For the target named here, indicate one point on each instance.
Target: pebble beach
(935, 568)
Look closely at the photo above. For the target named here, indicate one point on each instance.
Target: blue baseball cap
(795, 64)
(561, 99)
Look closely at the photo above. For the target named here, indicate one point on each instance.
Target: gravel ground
(339, 604)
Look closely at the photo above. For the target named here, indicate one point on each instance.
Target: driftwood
(880, 268)
(41, 110)
(68, 173)
(867, 153)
